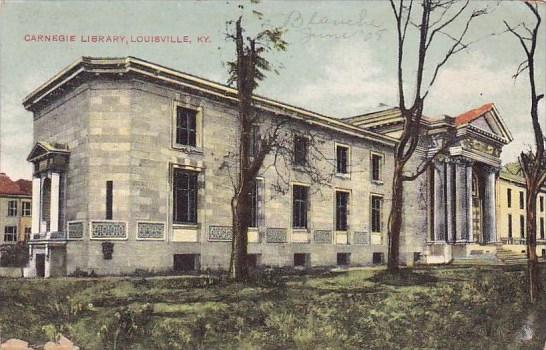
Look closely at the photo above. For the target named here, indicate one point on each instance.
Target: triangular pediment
(487, 120)
(44, 149)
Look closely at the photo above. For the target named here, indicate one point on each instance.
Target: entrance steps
(475, 260)
(510, 257)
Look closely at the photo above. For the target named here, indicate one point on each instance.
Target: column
(439, 202)
(468, 234)
(36, 195)
(54, 207)
(490, 232)
(449, 200)
(461, 202)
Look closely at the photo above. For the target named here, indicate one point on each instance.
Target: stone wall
(121, 131)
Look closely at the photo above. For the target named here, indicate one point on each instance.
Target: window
(254, 204)
(541, 204)
(254, 139)
(28, 230)
(12, 208)
(522, 226)
(185, 197)
(521, 200)
(343, 259)
(342, 201)
(509, 225)
(378, 258)
(377, 162)
(301, 259)
(300, 150)
(186, 262)
(186, 126)
(10, 234)
(541, 228)
(509, 197)
(109, 199)
(342, 159)
(299, 206)
(27, 209)
(376, 207)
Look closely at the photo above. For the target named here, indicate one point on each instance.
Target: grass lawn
(436, 308)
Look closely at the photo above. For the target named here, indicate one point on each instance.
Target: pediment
(487, 121)
(45, 149)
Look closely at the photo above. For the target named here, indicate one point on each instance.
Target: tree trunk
(238, 269)
(535, 285)
(395, 219)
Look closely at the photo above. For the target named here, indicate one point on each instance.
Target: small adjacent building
(15, 210)
(512, 206)
(131, 172)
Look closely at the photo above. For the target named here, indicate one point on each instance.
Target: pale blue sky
(336, 68)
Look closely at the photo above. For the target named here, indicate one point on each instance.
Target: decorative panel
(108, 230)
(361, 238)
(150, 230)
(220, 233)
(322, 236)
(75, 229)
(275, 235)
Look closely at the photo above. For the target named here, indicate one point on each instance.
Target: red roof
(19, 187)
(473, 114)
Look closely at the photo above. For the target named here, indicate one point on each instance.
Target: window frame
(509, 197)
(541, 228)
(13, 234)
(13, 208)
(303, 206)
(379, 212)
(345, 227)
(381, 157)
(347, 170)
(198, 110)
(303, 153)
(191, 215)
(522, 226)
(521, 200)
(26, 211)
(541, 203)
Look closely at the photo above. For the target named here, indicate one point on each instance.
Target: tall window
(541, 228)
(377, 162)
(509, 225)
(185, 197)
(541, 201)
(186, 125)
(299, 206)
(521, 200)
(376, 207)
(342, 159)
(254, 204)
(109, 199)
(254, 141)
(12, 208)
(522, 226)
(509, 197)
(300, 150)
(342, 203)
(10, 234)
(27, 209)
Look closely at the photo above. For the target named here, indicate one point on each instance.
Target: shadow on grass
(403, 278)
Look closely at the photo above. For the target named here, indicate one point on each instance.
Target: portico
(48, 239)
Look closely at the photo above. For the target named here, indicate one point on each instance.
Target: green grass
(365, 309)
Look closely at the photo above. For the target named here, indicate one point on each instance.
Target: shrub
(14, 255)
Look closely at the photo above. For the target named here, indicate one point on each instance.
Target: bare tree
(262, 135)
(533, 161)
(433, 20)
